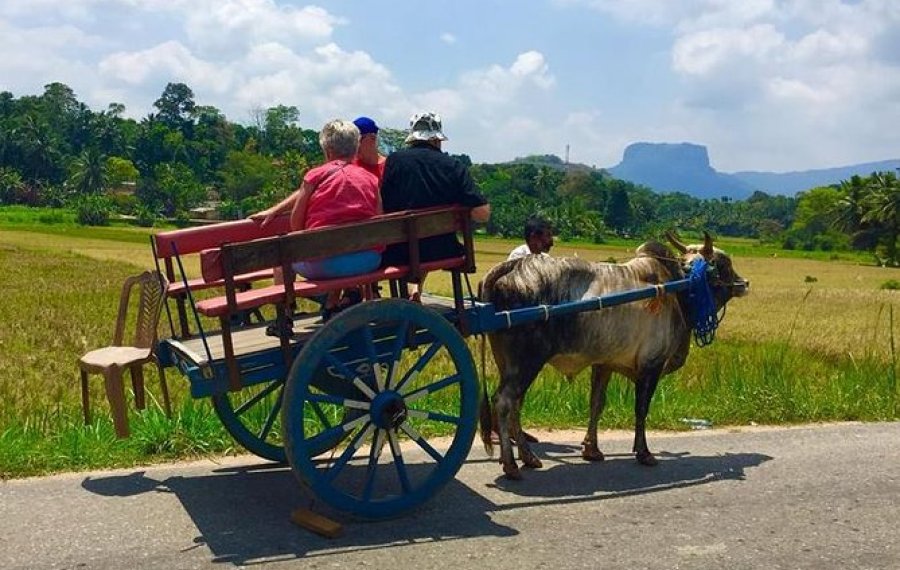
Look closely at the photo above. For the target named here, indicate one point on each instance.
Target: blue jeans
(345, 265)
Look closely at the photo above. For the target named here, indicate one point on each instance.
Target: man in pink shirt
(368, 156)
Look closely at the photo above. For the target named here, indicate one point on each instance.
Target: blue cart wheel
(253, 418)
(410, 374)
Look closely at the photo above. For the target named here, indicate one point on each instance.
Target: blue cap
(365, 125)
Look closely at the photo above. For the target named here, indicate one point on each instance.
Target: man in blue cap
(367, 156)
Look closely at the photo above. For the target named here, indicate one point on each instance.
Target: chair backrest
(151, 289)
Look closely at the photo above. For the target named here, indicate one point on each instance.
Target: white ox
(640, 340)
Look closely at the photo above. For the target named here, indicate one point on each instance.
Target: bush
(93, 210)
(810, 279)
(891, 285)
(144, 217)
(182, 219)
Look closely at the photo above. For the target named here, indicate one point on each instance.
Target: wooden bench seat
(174, 246)
(255, 298)
(199, 283)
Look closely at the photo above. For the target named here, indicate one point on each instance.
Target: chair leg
(137, 384)
(165, 390)
(85, 398)
(115, 393)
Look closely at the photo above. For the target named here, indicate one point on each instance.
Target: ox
(641, 340)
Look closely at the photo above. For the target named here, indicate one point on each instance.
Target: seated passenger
(422, 176)
(337, 192)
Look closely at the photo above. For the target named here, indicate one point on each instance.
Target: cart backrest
(398, 227)
(194, 240)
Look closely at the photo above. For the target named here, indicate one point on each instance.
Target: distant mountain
(789, 183)
(684, 167)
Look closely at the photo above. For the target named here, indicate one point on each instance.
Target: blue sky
(772, 85)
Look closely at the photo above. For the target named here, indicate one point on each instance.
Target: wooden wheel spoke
(335, 469)
(417, 437)
(420, 364)
(397, 452)
(396, 349)
(434, 416)
(431, 388)
(372, 467)
(259, 396)
(270, 420)
(337, 431)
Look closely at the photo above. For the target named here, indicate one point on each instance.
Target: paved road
(811, 497)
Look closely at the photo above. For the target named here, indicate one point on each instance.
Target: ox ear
(676, 243)
(707, 250)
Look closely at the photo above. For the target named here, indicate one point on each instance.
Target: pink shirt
(377, 170)
(343, 193)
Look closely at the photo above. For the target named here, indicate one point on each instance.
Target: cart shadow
(243, 513)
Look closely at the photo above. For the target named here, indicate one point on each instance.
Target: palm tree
(883, 209)
(89, 174)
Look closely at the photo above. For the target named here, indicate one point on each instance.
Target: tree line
(56, 151)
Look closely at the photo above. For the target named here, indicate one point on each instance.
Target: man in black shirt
(421, 176)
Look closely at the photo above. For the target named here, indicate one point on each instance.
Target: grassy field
(814, 341)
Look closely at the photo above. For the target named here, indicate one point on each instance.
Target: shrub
(144, 217)
(891, 285)
(810, 279)
(93, 210)
(182, 219)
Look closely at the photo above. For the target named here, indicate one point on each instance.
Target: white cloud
(498, 85)
(708, 51)
(168, 60)
(448, 38)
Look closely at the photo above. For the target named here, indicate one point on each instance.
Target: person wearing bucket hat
(422, 176)
(368, 156)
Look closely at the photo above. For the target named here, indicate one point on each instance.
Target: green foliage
(93, 210)
(891, 285)
(145, 217)
(244, 176)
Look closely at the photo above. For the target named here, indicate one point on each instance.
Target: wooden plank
(310, 244)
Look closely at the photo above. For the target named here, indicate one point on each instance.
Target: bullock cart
(375, 409)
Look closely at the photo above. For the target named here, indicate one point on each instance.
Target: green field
(814, 341)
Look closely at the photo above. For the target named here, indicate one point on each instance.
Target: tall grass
(789, 352)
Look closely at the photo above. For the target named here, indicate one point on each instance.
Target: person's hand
(262, 218)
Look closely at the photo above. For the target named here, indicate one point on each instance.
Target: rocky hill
(684, 167)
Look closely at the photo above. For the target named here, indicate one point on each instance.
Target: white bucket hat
(425, 127)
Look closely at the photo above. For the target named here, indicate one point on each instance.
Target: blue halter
(701, 304)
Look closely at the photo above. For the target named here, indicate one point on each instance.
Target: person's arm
(482, 213)
(269, 214)
(298, 214)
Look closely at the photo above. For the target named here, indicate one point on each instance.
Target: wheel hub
(389, 410)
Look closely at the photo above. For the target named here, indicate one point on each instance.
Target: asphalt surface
(818, 497)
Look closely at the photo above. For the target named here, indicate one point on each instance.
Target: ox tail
(485, 415)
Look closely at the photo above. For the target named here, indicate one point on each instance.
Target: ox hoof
(512, 472)
(592, 454)
(646, 458)
(532, 462)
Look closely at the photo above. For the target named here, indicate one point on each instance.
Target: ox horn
(676, 243)
(707, 250)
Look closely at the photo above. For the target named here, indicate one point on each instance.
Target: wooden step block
(316, 523)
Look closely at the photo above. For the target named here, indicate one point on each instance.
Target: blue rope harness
(701, 304)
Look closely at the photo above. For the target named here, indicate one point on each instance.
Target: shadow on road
(242, 514)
